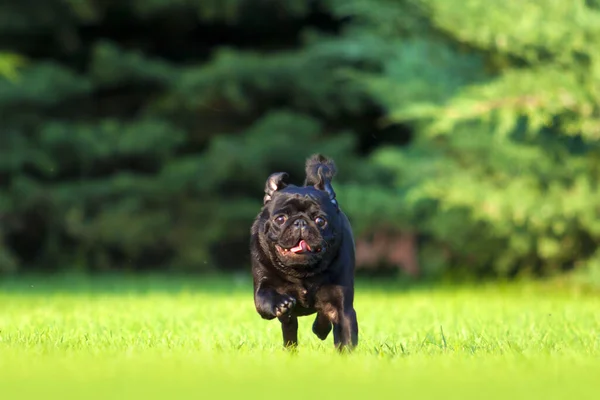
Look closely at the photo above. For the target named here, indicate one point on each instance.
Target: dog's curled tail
(319, 170)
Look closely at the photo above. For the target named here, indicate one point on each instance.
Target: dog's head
(301, 224)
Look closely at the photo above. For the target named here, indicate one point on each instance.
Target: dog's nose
(300, 223)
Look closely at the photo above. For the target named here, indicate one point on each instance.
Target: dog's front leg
(289, 329)
(270, 304)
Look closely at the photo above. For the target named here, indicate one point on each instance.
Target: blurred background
(136, 135)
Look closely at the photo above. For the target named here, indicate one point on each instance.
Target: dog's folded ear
(320, 171)
(325, 184)
(274, 183)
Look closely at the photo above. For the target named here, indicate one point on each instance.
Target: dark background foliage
(137, 135)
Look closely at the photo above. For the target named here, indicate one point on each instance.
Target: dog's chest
(305, 301)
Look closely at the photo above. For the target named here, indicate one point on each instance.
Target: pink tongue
(302, 247)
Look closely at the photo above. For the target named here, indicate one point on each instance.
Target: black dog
(302, 250)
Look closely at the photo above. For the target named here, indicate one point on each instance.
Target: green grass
(187, 338)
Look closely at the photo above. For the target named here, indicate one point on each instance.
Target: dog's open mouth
(301, 248)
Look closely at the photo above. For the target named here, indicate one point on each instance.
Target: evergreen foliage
(138, 134)
(503, 168)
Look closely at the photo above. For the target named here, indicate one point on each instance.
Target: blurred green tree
(9, 63)
(503, 170)
(139, 133)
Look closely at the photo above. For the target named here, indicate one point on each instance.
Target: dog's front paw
(283, 305)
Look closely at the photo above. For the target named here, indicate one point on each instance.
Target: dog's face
(300, 226)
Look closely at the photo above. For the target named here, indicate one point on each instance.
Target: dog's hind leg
(345, 331)
(322, 326)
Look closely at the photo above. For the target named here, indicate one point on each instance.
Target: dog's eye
(280, 219)
(320, 222)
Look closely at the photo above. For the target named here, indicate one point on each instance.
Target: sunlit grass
(149, 337)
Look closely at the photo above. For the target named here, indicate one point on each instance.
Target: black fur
(319, 280)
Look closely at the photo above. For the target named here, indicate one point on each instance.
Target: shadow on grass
(235, 284)
(226, 284)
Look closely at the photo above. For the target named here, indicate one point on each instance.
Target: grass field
(156, 338)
